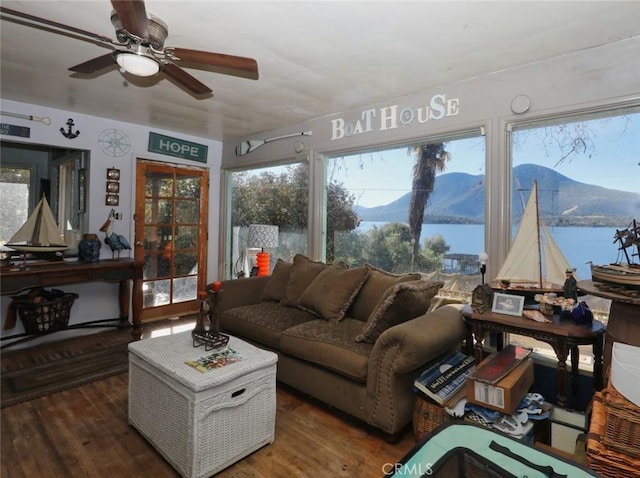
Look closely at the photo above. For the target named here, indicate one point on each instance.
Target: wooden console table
(14, 280)
(561, 334)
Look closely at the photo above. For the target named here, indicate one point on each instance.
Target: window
(276, 196)
(15, 198)
(368, 208)
(588, 176)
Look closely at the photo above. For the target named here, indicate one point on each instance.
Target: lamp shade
(137, 64)
(263, 236)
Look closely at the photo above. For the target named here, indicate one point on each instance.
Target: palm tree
(430, 158)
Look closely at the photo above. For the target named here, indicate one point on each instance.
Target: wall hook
(69, 134)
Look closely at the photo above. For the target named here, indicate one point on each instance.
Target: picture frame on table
(508, 304)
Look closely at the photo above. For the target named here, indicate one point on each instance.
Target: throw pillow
(403, 302)
(332, 291)
(303, 271)
(277, 285)
(377, 283)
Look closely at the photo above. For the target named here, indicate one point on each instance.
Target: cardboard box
(505, 395)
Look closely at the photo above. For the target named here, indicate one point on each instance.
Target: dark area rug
(52, 367)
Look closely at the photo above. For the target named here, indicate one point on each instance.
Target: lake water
(579, 245)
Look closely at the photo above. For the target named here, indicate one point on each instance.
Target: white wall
(99, 300)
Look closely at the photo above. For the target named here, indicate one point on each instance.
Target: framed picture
(508, 304)
(112, 200)
(113, 187)
(113, 174)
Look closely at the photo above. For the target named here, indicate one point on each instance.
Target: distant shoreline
(600, 221)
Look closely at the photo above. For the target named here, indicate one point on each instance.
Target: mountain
(459, 198)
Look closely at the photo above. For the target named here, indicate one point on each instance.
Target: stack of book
(444, 379)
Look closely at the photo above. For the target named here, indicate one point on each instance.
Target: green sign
(159, 143)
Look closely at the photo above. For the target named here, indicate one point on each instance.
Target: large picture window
(418, 207)
(274, 196)
(587, 172)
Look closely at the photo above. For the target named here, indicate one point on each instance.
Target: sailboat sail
(39, 233)
(554, 262)
(534, 259)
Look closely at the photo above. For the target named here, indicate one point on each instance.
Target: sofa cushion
(330, 345)
(402, 302)
(377, 283)
(276, 288)
(332, 291)
(303, 271)
(263, 323)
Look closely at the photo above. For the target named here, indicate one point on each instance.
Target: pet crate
(42, 311)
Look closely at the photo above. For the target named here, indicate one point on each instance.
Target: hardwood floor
(84, 432)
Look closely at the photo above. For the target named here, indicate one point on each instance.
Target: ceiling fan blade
(55, 26)
(234, 65)
(185, 79)
(94, 65)
(133, 16)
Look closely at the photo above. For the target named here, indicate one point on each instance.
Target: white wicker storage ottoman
(201, 422)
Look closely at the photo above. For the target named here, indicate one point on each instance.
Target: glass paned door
(171, 237)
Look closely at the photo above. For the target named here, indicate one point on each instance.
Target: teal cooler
(469, 450)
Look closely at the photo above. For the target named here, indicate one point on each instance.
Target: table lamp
(482, 258)
(263, 236)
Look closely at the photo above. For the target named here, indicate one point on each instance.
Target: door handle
(139, 243)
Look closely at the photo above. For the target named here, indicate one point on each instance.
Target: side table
(561, 334)
(201, 422)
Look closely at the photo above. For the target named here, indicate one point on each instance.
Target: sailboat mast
(535, 190)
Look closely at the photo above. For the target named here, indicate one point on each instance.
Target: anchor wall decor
(69, 134)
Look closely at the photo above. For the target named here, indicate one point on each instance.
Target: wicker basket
(427, 415)
(601, 456)
(622, 423)
(44, 311)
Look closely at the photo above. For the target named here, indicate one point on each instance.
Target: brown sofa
(354, 338)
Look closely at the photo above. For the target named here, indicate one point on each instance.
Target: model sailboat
(534, 261)
(623, 273)
(40, 233)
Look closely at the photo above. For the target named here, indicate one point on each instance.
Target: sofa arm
(422, 339)
(398, 356)
(239, 292)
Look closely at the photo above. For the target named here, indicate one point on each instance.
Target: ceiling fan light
(138, 65)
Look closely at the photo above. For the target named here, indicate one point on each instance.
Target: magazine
(445, 377)
(499, 364)
(215, 360)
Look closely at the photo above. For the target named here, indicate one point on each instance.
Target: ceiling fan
(139, 49)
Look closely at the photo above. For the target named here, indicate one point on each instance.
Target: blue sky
(611, 159)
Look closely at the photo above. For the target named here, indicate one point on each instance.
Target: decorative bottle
(89, 249)
(215, 323)
(203, 323)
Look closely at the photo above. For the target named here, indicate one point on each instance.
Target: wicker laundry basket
(613, 439)
(427, 415)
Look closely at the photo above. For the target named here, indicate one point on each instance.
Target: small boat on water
(623, 273)
(40, 233)
(534, 264)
